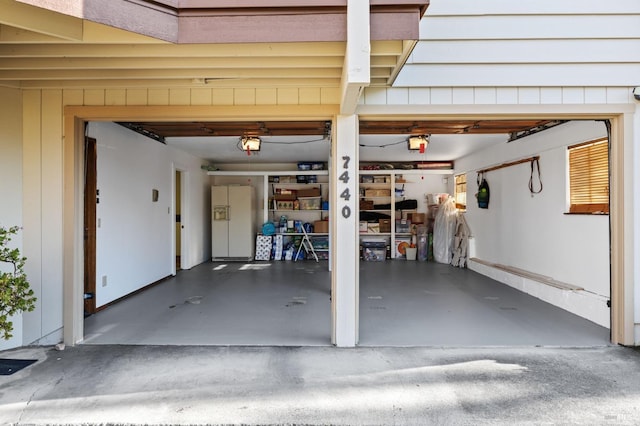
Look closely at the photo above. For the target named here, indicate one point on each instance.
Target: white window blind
(589, 177)
(461, 191)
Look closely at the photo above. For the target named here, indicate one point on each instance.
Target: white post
(356, 72)
(344, 231)
(344, 179)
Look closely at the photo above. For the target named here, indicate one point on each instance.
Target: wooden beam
(512, 163)
(251, 50)
(150, 74)
(109, 63)
(322, 83)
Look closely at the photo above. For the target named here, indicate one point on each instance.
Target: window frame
(460, 206)
(596, 204)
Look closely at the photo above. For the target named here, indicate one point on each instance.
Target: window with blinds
(589, 177)
(460, 191)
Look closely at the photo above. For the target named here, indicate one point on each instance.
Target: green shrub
(15, 294)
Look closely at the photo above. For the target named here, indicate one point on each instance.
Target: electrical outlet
(104, 281)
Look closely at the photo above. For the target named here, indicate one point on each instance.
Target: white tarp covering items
(444, 230)
(450, 235)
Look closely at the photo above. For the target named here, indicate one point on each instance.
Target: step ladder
(306, 245)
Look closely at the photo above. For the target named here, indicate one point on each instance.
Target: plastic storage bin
(374, 251)
(310, 203)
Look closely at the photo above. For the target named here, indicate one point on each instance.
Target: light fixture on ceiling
(250, 143)
(418, 143)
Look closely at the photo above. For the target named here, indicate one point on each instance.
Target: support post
(344, 231)
(356, 72)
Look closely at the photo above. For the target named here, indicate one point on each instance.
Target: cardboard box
(366, 205)
(284, 205)
(369, 192)
(363, 226)
(417, 218)
(284, 197)
(284, 194)
(309, 192)
(385, 225)
(287, 179)
(321, 226)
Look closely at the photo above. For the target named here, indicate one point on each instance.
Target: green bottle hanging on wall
(483, 194)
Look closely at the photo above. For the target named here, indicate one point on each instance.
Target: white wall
(636, 219)
(532, 232)
(134, 244)
(11, 181)
(420, 185)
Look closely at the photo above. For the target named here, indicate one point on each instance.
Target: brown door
(90, 201)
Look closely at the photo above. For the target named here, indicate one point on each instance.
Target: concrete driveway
(322, 385)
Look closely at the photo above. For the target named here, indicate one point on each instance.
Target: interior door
(90, 201)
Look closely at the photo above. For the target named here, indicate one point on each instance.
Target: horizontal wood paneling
(501, 43)
(510, 7)
(526, 51)
(202, 96)
(538, 75)
(515, 27)
(497, 95)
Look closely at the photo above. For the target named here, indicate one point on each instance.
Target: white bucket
(411, 253)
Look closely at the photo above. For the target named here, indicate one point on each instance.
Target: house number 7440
(345, 195)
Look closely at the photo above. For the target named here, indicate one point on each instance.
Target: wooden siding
(535, 45)
(496, 95)
(203, 97)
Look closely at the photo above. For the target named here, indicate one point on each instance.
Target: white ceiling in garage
(387, 148)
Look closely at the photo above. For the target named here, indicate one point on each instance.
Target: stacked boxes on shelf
(403, 226)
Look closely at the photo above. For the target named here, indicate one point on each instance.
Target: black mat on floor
(10, 366)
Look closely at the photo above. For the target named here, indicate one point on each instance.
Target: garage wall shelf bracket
(512, 163)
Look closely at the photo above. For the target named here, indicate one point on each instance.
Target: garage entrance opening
(532, 275)
(387, 290)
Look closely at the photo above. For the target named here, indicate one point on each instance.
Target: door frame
(90, 180)
(622, 197)
(185, 262)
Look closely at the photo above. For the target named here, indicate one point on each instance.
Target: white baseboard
(585, 304)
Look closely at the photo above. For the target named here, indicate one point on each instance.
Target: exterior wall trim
(622, 191)
(74, 119)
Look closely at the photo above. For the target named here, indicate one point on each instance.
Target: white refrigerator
(232, 233)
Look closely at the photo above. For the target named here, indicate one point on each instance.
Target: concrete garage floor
(214, 385)
(287, 304)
